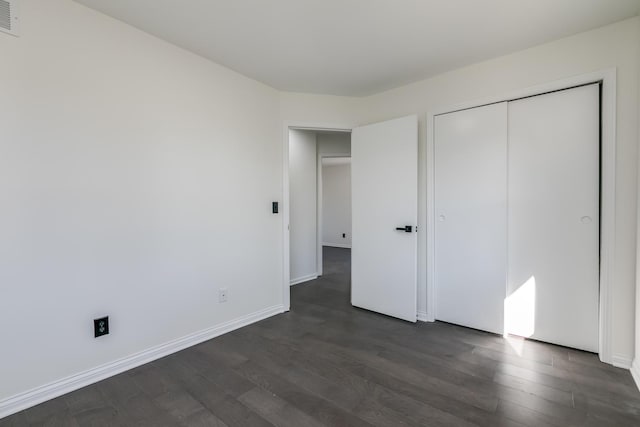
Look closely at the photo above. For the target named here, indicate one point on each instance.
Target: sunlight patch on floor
(520, 314)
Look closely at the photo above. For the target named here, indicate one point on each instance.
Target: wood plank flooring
(326, 363)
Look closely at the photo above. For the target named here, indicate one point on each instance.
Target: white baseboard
(635, 371)
(621, 361)
(303, 279)
(422, 316)
(52, 390)
(337, 245)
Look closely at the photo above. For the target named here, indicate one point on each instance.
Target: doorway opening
(319, 206)
(384, 167)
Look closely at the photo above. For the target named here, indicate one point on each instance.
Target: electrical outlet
(222, 295)
(101, 326)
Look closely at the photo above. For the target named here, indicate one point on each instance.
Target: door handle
(406, 229)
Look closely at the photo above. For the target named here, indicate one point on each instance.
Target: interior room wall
(336, 204)
(302, 205)
(612, 46)
(334, 143)
(136, 180)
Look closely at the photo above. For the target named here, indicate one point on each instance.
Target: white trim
(303, 279)
(635, 372)
(322, 127)
(57, 388)
(319, 216)
(286, 267)
(623, 362)
(337, 245)
(286, 272)
(608, 179)
(422, 316)
(608, 212)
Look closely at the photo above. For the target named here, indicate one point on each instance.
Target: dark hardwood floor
(326, 363)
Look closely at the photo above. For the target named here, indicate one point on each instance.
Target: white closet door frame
(607, 78)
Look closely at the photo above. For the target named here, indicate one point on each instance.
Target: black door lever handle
(406, 229)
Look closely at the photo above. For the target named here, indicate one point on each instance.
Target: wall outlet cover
(222, 295)
(101, 326)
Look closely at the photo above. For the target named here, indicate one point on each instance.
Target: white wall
(610, 46)
(336, 205)
(334, 143)
(135, 180)
(302, 205)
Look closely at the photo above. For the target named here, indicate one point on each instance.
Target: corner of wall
(635, 372)
(623, 362)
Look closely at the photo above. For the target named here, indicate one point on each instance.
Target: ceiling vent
(9, 16)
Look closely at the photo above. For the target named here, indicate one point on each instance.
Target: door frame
(286, 250)
(607, 78)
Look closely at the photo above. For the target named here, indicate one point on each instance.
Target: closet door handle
(406, 229)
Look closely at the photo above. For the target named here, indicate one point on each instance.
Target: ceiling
(359, 47)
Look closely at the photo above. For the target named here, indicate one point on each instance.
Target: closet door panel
(470, 203)
(553, 218)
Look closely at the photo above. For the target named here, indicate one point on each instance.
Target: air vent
(9, 16)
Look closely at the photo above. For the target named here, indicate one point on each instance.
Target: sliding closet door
(470, 202)
(553, 231)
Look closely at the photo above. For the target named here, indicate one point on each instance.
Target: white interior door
(471, 224)
(384, 183)
(552, 292)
